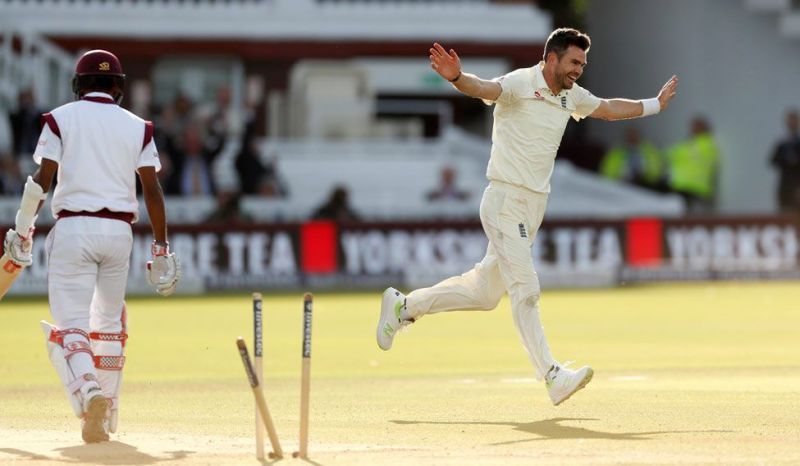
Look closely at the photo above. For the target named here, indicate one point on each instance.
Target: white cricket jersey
(529, 122)
(98, 146)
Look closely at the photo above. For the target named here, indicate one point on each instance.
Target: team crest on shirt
(563, 101)
(538, 96)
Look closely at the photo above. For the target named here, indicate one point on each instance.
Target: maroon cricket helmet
(97, 63)
(100, 63)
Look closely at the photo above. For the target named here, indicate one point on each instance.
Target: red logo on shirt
(537, 96)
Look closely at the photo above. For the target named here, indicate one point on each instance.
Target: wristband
(650, 106)
(159, 248)
(456, 78)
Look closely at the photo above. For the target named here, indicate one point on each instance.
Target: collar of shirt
(101, 97)
(537, 87)
(541, 83)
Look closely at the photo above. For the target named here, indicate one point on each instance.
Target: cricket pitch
(684, 374)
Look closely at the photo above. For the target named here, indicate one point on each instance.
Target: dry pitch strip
(255, 375)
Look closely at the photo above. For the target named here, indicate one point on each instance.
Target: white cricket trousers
(87, 275)
(510, 216)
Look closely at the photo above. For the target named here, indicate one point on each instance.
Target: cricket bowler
(95, 148)
(532, 108)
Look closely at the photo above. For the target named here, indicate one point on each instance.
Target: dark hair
(562, 38)
(112, 85)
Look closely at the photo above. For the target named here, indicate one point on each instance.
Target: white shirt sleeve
(48, 147)
(149, 157)
(585, 103)
(506, 90)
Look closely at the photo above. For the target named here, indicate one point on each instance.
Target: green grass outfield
(684, 374)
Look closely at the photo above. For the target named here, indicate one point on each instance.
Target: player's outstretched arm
(448, 65)
(622, 109)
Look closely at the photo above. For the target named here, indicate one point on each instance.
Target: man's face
(570, 67)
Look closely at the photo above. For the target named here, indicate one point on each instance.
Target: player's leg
(511, 225)
(108, 316)
(481, 288)
(71, 280)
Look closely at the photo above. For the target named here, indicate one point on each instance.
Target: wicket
(305, 381)
(261, 403)
(255, 376)
(258, 352)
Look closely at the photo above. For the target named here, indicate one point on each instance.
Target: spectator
(228, 210)
(786, 159)
(337, 207)
(25, 127)
(223, 123)
(10, 177)
(11, 181)
(224, 137)
(694, 167)
(272, 183)
(25, 123)
(447, 189)
(177, 115)
(169, 129)
(6, 139)
(636, 161)
(255, 175)
(192, 164)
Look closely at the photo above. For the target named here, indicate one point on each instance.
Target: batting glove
(164, 271)
(18, 247)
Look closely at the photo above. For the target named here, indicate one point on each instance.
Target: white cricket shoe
(390, 321)
(93, 429)
(562, 382)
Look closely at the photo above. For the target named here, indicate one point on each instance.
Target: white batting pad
(58, 357)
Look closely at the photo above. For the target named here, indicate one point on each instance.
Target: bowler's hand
(668, 92)
(447, 64)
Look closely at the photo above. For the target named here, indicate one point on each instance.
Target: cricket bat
(9, 271)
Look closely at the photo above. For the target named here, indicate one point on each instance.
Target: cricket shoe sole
(94, 421)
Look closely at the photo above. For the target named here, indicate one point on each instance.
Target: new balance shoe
(94, 417)
(390, 320)
(562, 382)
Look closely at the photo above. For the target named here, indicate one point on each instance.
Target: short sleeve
(585, 103)
(48, 147)
(506, 91)
(149, 156)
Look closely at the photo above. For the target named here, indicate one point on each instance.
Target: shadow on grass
(552, 429)
(107, 453)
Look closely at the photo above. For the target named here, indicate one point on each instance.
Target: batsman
(95, 148)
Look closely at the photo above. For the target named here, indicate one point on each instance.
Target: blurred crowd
(206, 149)
(691, 167)
(210, 149)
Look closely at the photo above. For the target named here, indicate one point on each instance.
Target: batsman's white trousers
(87, 273)
(510, 216)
